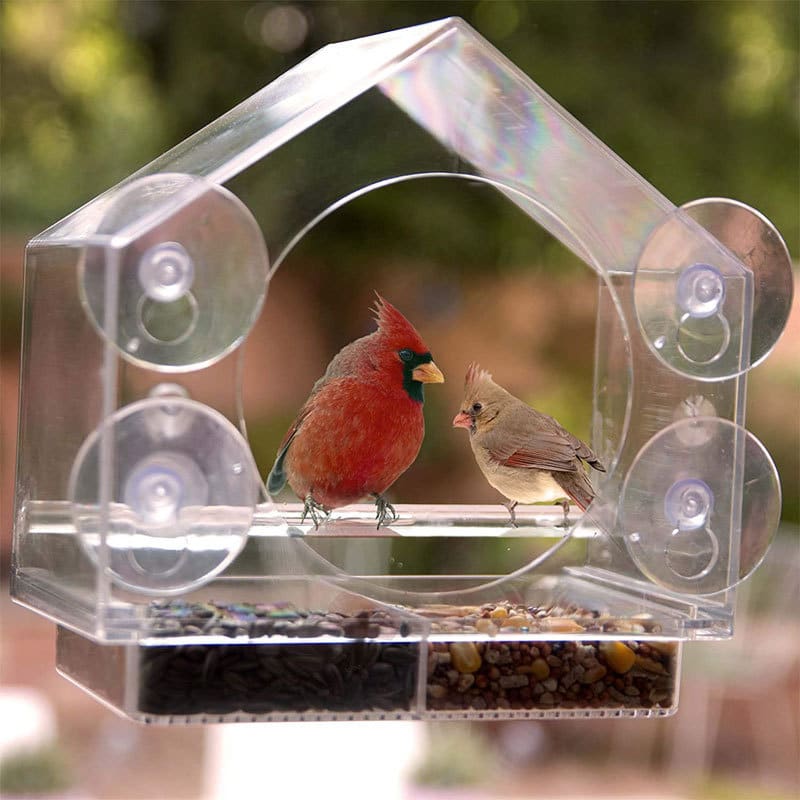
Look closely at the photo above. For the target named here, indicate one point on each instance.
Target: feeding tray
(183, 592)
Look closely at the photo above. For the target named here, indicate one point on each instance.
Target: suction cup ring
(686, 551)
(703, 340)
(172, 485)
(700, 505)
(165, 323)
(181, 274)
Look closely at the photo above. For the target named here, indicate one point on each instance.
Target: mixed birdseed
(508, 618)
(367, 672)
(525, 675)
(548, 675)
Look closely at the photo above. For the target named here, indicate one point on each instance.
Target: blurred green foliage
(727, 789)
(38, 773)
(455, 755)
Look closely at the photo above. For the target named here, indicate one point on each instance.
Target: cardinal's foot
(385, 509)
(511, 505)
(317, 512)
(564, 503)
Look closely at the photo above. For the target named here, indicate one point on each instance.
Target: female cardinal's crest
(395, 327)
(477, 381)
(476, 376)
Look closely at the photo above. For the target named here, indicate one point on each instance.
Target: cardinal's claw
(318, 513)
(385, 509)
(511, 505)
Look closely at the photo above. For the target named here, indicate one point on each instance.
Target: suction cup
(182, 276)
(701, 312)
(700, 505)
(172, 485)
(756, 243)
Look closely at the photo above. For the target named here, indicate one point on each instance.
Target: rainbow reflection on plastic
(495, 119)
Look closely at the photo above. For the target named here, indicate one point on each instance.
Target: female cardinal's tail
(577, 485)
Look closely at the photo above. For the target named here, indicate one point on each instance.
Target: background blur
(700, 98)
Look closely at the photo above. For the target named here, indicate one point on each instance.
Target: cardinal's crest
(476, 380)
(395, 327)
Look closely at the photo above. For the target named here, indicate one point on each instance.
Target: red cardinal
(362, 426)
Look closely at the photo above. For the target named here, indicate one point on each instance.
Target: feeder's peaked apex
(393, 44)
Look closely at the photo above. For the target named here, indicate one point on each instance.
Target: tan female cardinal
(526, 455)
(362, 426)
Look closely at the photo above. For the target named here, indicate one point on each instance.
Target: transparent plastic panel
(62, 392)
(62, 385)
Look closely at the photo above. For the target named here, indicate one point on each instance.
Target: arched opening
(482, 282)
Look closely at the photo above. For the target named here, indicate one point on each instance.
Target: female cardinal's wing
(528, 439)
(584, 452)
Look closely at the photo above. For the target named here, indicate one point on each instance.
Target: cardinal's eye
(476, 407)
(406, 355)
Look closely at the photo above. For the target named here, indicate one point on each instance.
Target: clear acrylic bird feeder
(183, 592)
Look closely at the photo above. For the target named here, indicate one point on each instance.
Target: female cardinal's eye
(406, 355)
(476, 407)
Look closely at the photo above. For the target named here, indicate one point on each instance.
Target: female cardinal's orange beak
(428, 373)
(462, 420)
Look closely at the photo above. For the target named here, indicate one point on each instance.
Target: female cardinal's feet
(318, 513)
(564, 503)
(385, 509)
(511, 505)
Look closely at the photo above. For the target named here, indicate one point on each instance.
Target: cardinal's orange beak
(428, 373)
(462, 420)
